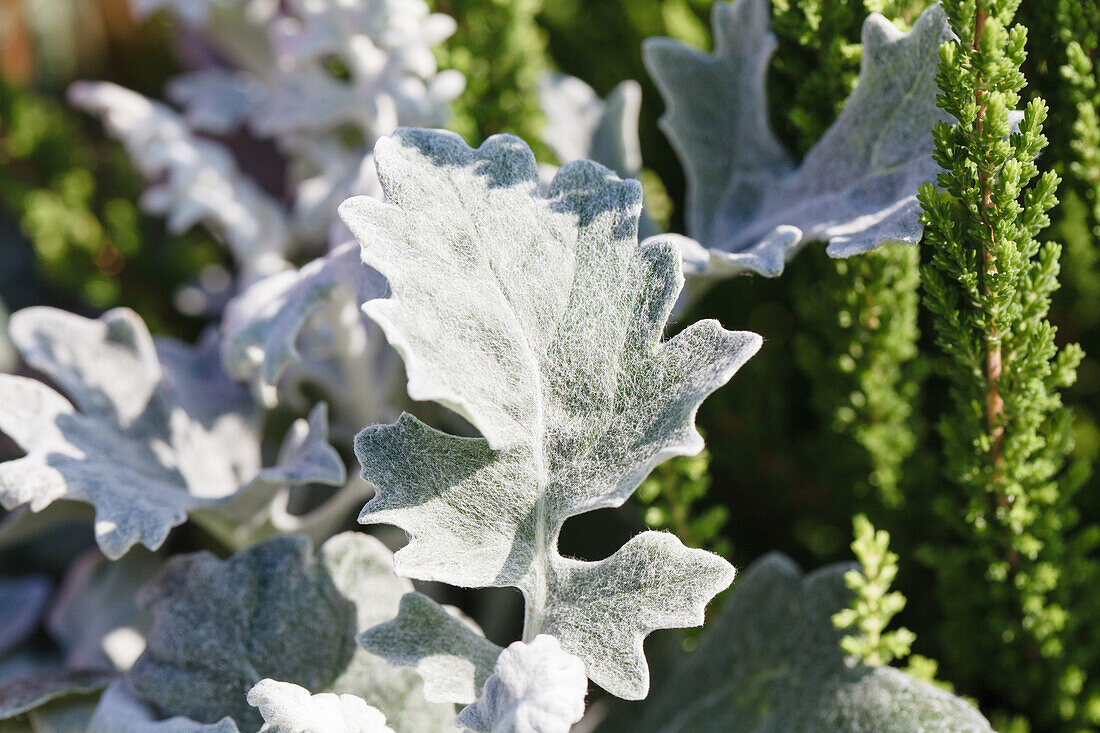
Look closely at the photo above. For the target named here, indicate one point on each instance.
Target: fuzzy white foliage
(153, 432)
(452, 658)
(284, 87)
(277, 611)
(290, 708)
(196, 179)
(581, 126)
(305, 327)
(385, 46)
(534, 688)
(748, 206)
(540, 321)
(216, 100)
(771, 661)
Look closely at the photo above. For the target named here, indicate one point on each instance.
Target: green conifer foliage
(873, 605)
(1010, 568)
(857, 340)
(501, 50)
(858, 346)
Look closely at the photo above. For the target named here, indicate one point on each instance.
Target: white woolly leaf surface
(772, 661)
(535, 688)
(540, 321)
(289, 708)
(277, 611)
(453, 659)
(581, 126)
(153, 432)
(856, 188)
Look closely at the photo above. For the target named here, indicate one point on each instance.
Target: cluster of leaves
(1007, 436)
(533, 305)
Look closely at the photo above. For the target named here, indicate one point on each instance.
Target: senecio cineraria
(499, 327)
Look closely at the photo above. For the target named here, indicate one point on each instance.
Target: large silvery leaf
(277, 611)
(856, 188)
(540, 321)
(152, 433)
(581, 126)
(772, 662)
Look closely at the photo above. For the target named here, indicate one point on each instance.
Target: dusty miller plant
(527, 305)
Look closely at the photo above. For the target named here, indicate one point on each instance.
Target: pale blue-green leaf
(22, 601)
(290, 708)
(96, 619)
(535, 687)
(153, 432)
(119, 711)
(304, 328)
(193, 179)
(19, 695)
(215, 100)
(276, 611)
(453, 659)
(857, 186)
(539, 320)
(581, 126)
(772, 662)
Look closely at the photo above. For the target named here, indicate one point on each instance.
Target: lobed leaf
(581, 126)
(195, 179)
(276, 611)
(153, 432)
(453, 659)
(772, 661)
(747, 204)
(304, 327)
(539, 320)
